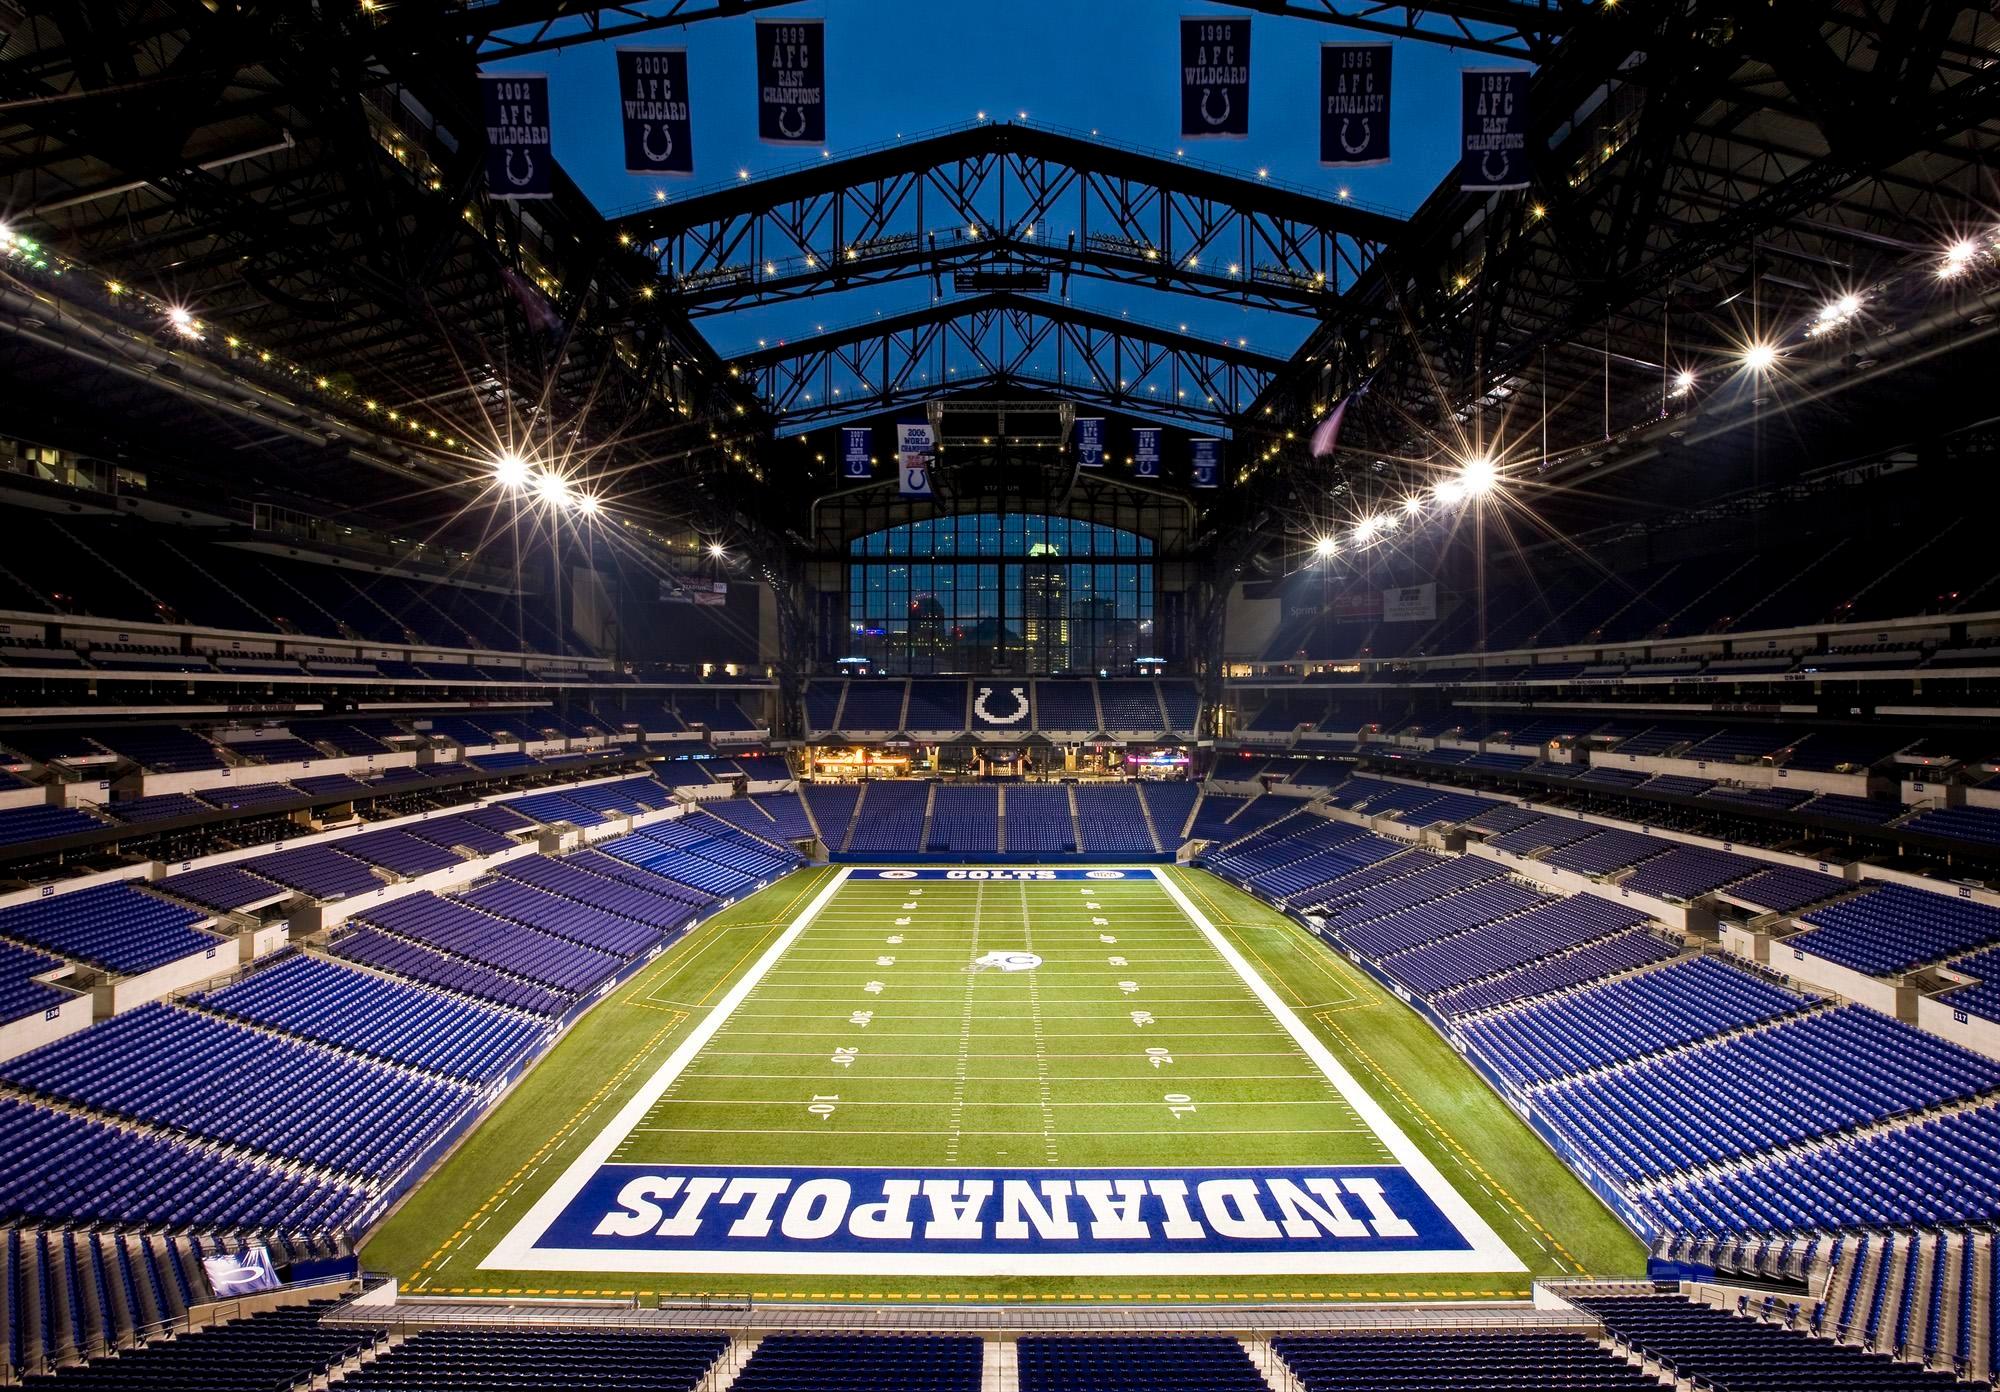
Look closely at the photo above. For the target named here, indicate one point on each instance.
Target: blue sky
(899, 68)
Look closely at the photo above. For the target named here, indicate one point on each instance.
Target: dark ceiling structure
(1711, 176)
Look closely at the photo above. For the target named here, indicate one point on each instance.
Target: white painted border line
(511, 1252)
(1485, 1242)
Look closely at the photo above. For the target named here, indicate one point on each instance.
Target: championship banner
(856, 444)
(913, 458)
(1146, 452)
(1207, 456)
(519, 161)
(1215, 77)
(1354, 104)
(1090, 442)
(791, 82)
(653, 108)
(1493, 151)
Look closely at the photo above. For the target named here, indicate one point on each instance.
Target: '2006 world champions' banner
(653, 109)
(791, 82)
(1215, 77)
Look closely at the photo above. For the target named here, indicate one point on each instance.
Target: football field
(964, 1084)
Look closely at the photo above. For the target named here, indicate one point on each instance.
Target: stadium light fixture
(1683, 382)
(510, 470)
(1449, 491)
(183, 322)
(1477, 476)
(1326, 548)
(1957, 257)
(1365, 529)
(1760, 357)
(1412, 505)
(587, 504)
(552, 489)
(717, 550)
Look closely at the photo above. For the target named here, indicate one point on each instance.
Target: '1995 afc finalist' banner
(1354, 104)
(653, 108)
(519, 160)
(1215, 77)
(791, 82)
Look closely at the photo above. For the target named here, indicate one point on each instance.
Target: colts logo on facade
(982, 705)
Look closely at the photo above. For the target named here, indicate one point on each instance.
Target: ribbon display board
(1207, 460)
(1215, 77)
(519, 160)
(1354, 104)
(1146, 452)
(913, 458)
(856, 444)
(791, 82)
(1493, 146)
(1090, 442)
(653, 110)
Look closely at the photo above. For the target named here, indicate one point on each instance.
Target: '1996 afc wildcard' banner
(791, 82)
(657, 1218)
(1215, 77)
(653, 109)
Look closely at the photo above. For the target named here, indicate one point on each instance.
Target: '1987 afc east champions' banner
(1494, 142)
(519, 161)
(1354, 104)
(856, 447)
(1215, 77)
(791, 82)
(653, 109)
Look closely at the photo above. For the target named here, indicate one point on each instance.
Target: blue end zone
(1034, 875)
(708, 1214)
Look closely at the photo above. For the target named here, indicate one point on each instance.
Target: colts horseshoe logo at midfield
(985, 712)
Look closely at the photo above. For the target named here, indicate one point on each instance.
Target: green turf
(1045, 1067)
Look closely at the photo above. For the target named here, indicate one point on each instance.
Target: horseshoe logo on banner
(985, 713)
(1214, 120)
(646, 143)
(1487, 170)
(528, 159)
(786, 130)
(1367, 135)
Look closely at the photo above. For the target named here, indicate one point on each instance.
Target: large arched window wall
(994, 592)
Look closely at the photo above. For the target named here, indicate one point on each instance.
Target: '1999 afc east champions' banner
(519, 161)
(653, 108)
(791, 82)
(1215, 77)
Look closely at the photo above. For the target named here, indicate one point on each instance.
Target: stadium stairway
(930, 807)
